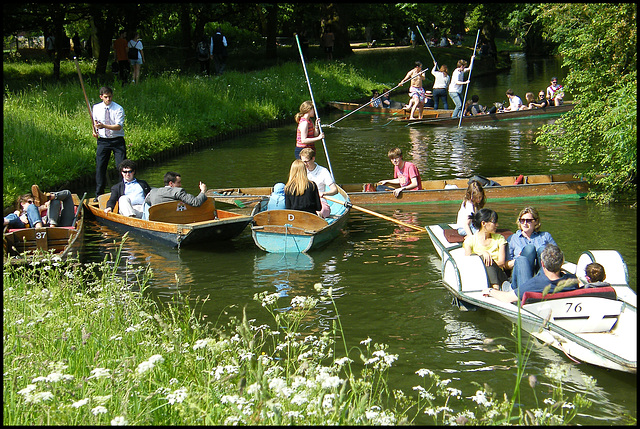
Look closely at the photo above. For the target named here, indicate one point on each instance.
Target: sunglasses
(127, 171)
(540, 95)
(523, 220)
(30, 201)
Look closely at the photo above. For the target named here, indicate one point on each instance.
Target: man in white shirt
(108, 118)
(321, 176)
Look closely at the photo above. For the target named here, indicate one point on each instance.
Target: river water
(386, 281)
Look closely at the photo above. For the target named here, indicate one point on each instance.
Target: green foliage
(598, 43)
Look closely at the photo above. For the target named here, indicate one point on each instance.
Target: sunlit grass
(83, 345)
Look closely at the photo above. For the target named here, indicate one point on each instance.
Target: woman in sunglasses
(26, 213)
(540, 103)
(526, 246)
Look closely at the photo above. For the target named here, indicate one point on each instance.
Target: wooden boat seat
(182, 213)
(580, 310)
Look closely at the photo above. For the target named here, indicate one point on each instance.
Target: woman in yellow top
(491, 246)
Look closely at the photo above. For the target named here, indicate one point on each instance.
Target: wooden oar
(306, 75)
(469, 79)
(378, 97)
(381, 216)
(93, 125)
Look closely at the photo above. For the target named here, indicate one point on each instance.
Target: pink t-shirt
(409, 170)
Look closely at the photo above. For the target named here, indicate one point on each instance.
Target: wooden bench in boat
(579, 311)
(180, 212)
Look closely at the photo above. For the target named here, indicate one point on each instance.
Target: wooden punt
(20, 245)
(546, 112)
(175, 223)
(534, 186)
(593, 325)
(294, 231)
(427, 112)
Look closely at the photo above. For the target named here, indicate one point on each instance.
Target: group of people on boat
(419, 98)
(530, 255)
(38, 209)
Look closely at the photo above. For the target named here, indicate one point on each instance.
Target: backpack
(133, 52)
(203, 51)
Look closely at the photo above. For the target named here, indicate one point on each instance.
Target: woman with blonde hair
(473, 201)
(308, 133)
(300, 193)
(526, 246)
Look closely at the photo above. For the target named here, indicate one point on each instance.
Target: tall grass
(47, 129)
(83, 345)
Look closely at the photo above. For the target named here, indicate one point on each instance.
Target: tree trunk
(272, 31)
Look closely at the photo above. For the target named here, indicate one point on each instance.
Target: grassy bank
(83, 345)
(47, 131)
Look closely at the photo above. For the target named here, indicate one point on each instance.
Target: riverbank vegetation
(84, 345)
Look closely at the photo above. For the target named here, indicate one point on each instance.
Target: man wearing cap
(555, 92)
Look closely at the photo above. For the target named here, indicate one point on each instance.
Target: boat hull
(547, 112)
(609, 340)
(294, 231)
(534, 186)
(63, 242)
(227, 225)
(427, 112)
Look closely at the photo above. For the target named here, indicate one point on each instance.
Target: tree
(598, 43)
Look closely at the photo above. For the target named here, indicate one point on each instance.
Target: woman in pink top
(405, 175)
(308, 133)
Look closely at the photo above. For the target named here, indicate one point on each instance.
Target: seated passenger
(276, 199)
(128, 193)
(491, 246)
(405, 174)
(300, 193)
(59, 206)
(475, 108)
(541, 103)
(473, 201)
(375, 99)
(528, 101)
(515, 102)
(526, 246)
(173, 191)
(322, 178)
(551, 274)
(595, 275)
(555, 92)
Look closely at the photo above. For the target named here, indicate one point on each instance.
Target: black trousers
(103, 154)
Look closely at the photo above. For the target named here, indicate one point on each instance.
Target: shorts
(417, 92)
(138, 61)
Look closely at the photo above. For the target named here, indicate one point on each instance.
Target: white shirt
(456, 78)
(466, 210)
(116, 116)
(441, 80)
(322, 177)
(514, 103)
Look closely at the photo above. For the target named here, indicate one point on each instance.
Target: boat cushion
(600, 292)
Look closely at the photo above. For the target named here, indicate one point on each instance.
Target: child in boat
(276, 199)
(489, 245)
(405, 174)
(473, 201)
(595, 275)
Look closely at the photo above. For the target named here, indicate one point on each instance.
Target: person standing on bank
(108, 118)
(120, 50)
(136, 55)
(456, 85)
(219, 51)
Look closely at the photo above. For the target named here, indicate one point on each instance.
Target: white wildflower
(156, 359)
(99, 410)
(100, 373)
(145, 366)
(119, 421)
(80, 403)
(177, 396)
(365, 342)
(254, 389)
(101, 399)
(480, 398)
(423, 372)
(200, 344)
(27, 390)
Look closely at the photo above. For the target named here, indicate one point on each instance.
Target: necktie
(107, 121)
